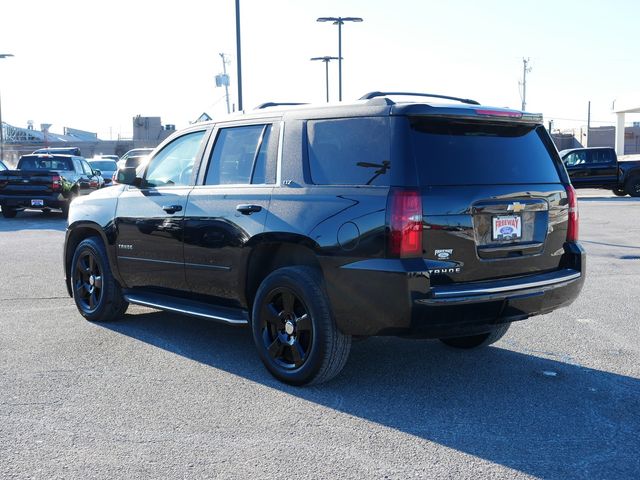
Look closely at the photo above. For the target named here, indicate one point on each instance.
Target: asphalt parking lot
(163, 396)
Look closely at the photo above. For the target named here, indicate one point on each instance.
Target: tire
(619, 193)
(477, 341)
(8, 212)
(294, 330)
(632, 186)
(97, 294)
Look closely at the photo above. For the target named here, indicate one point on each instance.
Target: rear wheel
(97, 294)
(477, 341)
(8, 212)
(294, 330)
(618, 192)
(632, 186)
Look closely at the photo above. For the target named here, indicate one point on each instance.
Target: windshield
(45, 163)
(104, 165)
(474, 153)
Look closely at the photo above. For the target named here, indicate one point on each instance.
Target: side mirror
(97, 172)
(127, 176)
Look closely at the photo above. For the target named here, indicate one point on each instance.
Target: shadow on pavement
(34, 220)
(545, 418)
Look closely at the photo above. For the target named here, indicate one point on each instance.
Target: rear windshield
(457, 153)
(45, 163)
(104, 165)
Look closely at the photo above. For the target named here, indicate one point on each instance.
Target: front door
(150, 219)
(228, 208)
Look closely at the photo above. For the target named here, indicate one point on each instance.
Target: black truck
(598, 167)
(46, 181)
(315, 225)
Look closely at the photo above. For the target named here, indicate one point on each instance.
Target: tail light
(56, 183)
(404, 210)
(572, 227)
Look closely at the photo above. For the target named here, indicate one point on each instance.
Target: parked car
(598, 167)
(315, 225)
(45, 181)
(138, 153)
(107, 169)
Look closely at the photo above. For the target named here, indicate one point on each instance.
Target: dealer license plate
(507, 227)
(37, 203)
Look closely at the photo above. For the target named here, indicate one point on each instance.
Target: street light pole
(339, 21)
(326, 61)
(2, 55)
(239, 55)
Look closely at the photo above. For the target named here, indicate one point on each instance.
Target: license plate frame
(36, 202)
(506, 228)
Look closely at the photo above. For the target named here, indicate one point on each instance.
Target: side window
(575, 158)
(600, 156)
(354, 151)
(173, 165)
(78, 166)
(240, 156)
(86, 168)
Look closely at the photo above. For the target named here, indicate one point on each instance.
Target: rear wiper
(382, 168)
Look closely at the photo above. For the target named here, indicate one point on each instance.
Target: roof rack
(371, 95)
(276, 104)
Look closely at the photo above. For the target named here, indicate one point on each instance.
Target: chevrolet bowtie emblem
(516, 207)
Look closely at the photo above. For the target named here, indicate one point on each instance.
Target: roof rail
(371, 95)
(277, 104)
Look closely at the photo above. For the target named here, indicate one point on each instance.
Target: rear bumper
(395, 297)
(25, 201)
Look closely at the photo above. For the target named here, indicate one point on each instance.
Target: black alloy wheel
(294, 330)
(633, 186)
(87, 287)
(96, 292)
(287, 332)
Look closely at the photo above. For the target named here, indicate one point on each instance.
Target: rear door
(229, 207)
(493, 201)
(150, 218)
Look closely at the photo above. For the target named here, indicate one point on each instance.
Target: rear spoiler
(468, 113)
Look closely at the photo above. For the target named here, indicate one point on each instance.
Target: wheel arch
(76, 233)
(273, 251)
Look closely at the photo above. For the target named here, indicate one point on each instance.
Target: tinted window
(600, 156)
(104, 165)
(352, 151)
(173, 165)
(454, 153)
(239, 156)
(45, 163)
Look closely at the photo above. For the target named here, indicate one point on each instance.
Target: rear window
(45, 163)
(353, 151)
(104, 165)
(457, 153)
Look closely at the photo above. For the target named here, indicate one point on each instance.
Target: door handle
(248, 209)
(172, 208)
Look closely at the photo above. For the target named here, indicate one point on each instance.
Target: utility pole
(326, 61)
(239, 55)
(525, 69)
(223, 80)
(588, 121)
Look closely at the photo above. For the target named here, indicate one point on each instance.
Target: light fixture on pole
(326, 61)
(2, 55)
(339, 21)
(222, 80)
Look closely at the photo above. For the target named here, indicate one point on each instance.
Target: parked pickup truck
(600, 168)
(45, 181)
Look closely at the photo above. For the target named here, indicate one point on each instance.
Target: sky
(93, 65)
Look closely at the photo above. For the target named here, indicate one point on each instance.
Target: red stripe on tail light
(405, 223)
(572, 227)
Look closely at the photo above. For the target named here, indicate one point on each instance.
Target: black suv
(315, 225)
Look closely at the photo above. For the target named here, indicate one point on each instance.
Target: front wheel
(477, 341)
(96, 292)
(294, 330)
(619, 193)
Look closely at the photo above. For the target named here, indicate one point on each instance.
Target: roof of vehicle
(380, 104)
(570, 150)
